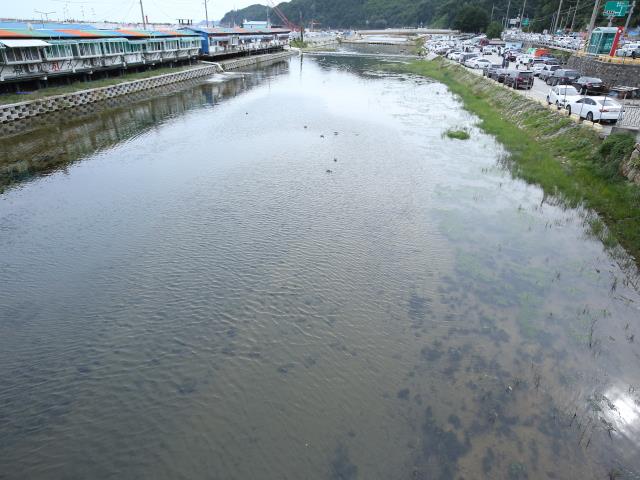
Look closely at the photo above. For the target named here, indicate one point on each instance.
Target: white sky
(120, 10)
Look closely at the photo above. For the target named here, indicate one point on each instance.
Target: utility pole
(42, 15)
(555, 28)
(144, 22)
(573, 21)
(206, 13)
(626, 25)
(522, 13)
(301, 29)
(592, 23)
(506, 21)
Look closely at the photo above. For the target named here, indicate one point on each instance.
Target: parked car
(629, 50)
(625, 93)
(547, 71)
(519, 79)
(589, 85)
(464, 57)
(498, 74)
(562, 76)
(477, 62)
(537, 69)
(562, 95)
(489, 69)
(596, 109)
(455, 55)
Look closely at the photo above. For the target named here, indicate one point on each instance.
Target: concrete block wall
(17, 112)
(24, 125)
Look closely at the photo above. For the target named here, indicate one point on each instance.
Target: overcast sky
(120, 10)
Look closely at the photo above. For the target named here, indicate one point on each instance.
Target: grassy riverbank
(7, 98)
(567, 160)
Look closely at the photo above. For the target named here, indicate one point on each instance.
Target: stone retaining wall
(610, 73)
(20, 111)
(631, 168)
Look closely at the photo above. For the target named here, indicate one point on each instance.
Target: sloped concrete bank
(257, 60)
(19, 111)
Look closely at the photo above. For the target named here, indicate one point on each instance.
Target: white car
(477, 62)
(596, 109)
(454, 55)
(524, 59)
(537, 68)
(563, 95)
(628, 49)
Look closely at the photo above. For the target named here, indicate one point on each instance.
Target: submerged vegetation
(564, 158)
(461, 134)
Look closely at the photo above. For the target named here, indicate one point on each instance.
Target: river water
(291, 273)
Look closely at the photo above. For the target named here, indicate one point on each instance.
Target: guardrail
(630, 117)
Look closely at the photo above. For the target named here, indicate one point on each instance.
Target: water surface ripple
(292, 273)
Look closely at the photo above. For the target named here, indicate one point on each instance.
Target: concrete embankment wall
(258, 60)
(18, 111)
(324, 43)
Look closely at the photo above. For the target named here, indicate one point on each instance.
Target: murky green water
(293, 274)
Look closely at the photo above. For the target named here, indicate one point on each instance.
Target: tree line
(469, 16)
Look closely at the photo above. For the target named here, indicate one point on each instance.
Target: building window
(88, 49)
(17, 55)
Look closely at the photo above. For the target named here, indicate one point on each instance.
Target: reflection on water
(294, 274)
(46, 143)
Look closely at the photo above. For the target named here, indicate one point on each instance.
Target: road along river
(293, 273)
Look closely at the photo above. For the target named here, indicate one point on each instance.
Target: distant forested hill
(468, 16)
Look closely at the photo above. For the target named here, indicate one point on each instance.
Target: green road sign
(616, 9)
(525, 22)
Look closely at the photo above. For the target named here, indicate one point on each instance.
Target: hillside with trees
(471, 16)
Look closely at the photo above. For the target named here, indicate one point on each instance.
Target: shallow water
(294, 274)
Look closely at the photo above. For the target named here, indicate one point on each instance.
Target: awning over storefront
(23, 43)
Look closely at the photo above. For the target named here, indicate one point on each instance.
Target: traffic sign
(616, 9)
(525, 22)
